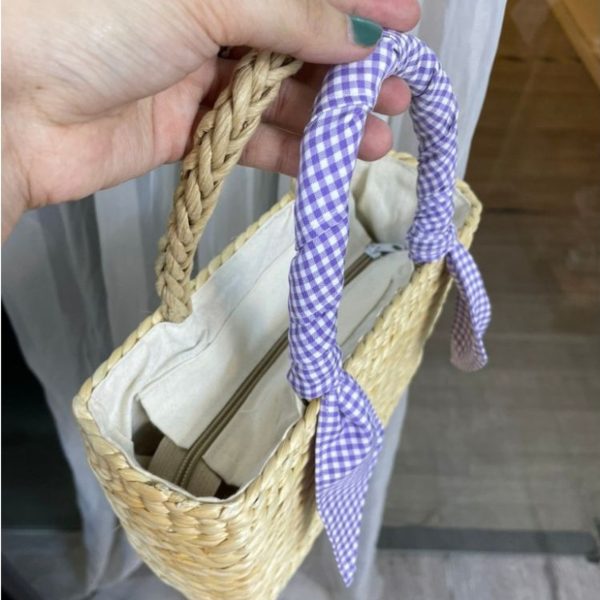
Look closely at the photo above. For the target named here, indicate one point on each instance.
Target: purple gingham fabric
(349, 433)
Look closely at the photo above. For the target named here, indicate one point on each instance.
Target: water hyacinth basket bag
(248, 411)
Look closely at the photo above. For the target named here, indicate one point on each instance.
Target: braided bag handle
(217, 145)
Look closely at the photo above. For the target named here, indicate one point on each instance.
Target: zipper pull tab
(375, 250)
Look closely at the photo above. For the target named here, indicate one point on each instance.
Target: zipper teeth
(216, 426)
(206, 439)
(357, 267)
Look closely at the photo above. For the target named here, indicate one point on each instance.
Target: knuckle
(314, 15)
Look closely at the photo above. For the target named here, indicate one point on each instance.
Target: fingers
(401, 15)
(276, 144)
(394, 97)
(312, 30)
(377, 139)
(293, 106)
(273, 149)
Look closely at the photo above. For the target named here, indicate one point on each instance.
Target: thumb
(312, 30)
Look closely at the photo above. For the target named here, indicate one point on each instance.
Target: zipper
(371, 253)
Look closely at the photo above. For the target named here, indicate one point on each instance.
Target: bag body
(249, 545)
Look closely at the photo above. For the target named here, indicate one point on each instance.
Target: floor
(517, 445)
(458, 576)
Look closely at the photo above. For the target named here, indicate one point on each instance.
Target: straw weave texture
(248, 546)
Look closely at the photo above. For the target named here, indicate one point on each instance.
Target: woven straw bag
(249, 545)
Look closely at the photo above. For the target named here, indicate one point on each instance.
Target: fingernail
(365, 32)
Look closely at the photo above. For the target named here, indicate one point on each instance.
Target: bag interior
(178, 376)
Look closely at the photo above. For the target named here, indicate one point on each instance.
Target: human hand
(98, 92)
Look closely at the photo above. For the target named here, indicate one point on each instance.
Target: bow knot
(315, 379)
(429, 243)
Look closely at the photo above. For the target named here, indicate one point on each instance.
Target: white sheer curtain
(78, 278)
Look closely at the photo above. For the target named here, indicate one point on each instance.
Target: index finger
(401, 15)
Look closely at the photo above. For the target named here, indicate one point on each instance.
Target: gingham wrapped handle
(349, 433)
(217, 145)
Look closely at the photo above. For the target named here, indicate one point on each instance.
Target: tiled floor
(517, 446)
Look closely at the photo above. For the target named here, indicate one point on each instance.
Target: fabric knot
(312, 380)
(428, 243)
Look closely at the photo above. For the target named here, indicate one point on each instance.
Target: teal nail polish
(365, 32)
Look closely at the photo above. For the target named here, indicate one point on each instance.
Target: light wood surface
(580, 20)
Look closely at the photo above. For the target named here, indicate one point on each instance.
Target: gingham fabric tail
(349, 433)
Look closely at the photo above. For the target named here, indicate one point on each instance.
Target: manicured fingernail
(364, 32)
